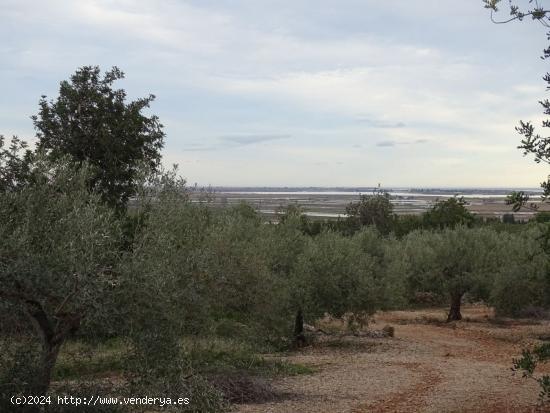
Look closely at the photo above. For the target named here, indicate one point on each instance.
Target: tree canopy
(58, 246)
(375, 209)
(92, 122)
(448, 213)
(15, 164)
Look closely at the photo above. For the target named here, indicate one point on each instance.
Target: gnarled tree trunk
(52, 330)
(52, 336)
(454, 312)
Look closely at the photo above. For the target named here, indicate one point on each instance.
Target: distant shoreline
(331, 202)
(399, 192)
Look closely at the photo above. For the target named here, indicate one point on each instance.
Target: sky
(422, 93)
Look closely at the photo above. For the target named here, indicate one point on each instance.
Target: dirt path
(428, 367)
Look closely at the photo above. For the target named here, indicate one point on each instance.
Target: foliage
(158, 283)
(239, 272)
(296, 215)
(536, 12)
(524, 279)
(189, 269)
(390, 277)
(18, 361)
(519, 200)
(337, 276)
(375, 209)
(528, 362)
(452, 262)
(405, 224)
(201, 270)
(449, 213)
(92, 122)
(58, 246)
(15, 164)
(542, 217)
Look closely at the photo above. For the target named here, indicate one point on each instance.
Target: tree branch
(536, 14)
(68, 297)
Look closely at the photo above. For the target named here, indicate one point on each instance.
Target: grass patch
(348, 345)
(78, 359)
(206, 356)
(214, 355)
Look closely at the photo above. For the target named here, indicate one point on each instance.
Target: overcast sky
(296, 92)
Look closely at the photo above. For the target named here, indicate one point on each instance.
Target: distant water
(308, 213)
(401, 192)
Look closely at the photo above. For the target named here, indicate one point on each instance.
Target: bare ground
(429, 366)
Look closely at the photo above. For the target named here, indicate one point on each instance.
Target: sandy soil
(428, 367)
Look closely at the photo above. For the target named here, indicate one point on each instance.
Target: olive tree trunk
(52, 336)
(299, 336)
(454, 312)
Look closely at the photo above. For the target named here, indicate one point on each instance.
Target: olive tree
(453, 262)
(207, 269)
(389, 282)
(155, 274)
(58, 248)
(246, 266)
(523, 282)
(284, 243)
(163, 292)
(334, 275)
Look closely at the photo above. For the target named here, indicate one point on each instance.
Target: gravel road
(429, 366)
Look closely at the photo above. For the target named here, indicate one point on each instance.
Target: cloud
(391, 143)
(378, 123)
(374, 88)
(234, 141)
(199, 147)
(252, 139)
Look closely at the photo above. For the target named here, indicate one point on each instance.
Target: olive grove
(164, 279)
